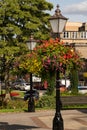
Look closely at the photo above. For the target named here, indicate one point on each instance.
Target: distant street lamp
(31, 43)
(58, 22)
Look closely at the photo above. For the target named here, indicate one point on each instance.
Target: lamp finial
(57, 11)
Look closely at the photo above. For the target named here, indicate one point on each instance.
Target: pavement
(43, 120)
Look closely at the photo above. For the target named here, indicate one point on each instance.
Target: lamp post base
(58, 122)
(31, 105)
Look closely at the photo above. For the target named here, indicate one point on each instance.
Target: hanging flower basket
(49, 56)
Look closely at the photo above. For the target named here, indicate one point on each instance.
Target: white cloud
(79, 8)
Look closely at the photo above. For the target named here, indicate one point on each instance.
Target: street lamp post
(2, 63)
(58, 22)
(31, 43)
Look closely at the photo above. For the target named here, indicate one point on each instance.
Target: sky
(74, 10)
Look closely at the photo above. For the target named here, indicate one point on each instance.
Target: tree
(18, 19)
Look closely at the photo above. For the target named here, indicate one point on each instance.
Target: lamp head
(31, 43)
(58, 21)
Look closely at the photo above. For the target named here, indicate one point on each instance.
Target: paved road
(43, 120)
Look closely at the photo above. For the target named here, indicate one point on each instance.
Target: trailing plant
(74, 81)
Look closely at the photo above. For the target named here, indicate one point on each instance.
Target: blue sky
(75, 10)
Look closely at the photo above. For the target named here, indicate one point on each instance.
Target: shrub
(46, 101)
(14, 104)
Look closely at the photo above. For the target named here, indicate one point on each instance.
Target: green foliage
(46, 101)
(14, 104)
(74, 81)
(17, 104)
(49, 57)
(20, 18)
(51, 82)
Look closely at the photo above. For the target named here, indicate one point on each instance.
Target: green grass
(75, 107)
(11, 110)
(66, 93)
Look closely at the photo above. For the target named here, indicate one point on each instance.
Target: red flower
(12, 94)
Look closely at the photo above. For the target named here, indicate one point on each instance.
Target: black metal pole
(1, 76)
(58, 121)
(31, 102)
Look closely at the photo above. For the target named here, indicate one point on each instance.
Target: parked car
(82, 89)
(34, 92)
(65, 82)
(21, 86)
(24, 86)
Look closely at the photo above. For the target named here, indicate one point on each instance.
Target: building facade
(76, 32)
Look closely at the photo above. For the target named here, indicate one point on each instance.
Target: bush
(14, 104)
(46, 101)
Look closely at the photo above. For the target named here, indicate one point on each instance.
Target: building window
(66, 34)
(74, 35)
(83, 35)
